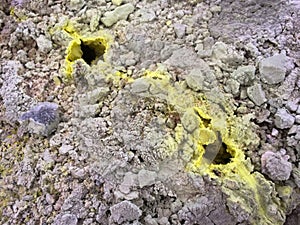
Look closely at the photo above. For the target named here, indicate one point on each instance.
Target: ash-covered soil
(154, 112)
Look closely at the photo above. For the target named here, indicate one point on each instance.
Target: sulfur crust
(233, 132)
(74, 52)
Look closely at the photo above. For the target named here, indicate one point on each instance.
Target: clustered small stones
(199, 42)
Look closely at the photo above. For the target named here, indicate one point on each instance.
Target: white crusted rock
(124, 212)
(272, 70)
(44, 44)
(283, 119)
(276, 165)
(244, 74)
(120, 13)
(179, 29)
(256, 94)
(146, 178)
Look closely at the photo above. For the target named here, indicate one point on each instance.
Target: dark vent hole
(92, 50)
(223, 157)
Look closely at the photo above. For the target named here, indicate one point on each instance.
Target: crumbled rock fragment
(44, 44)
(275, 132)
(205, 211)
(287, 87)
(226, 54)
(43, 118)
(146, 177)
(130, 180)
(14, 99)
(276, 165)
(232, 86)
(256, 94)
(292, 106)
(294, 129)
(297, 119)
(119, 13)
(44, 113)
(147, 15)
(69, 219)
(244, 74)
(78, 173)
(219, 50)
(296, 175)
(283, 119)
(76, 4)
(186, 58)
(201, 80)
(179, 29)
(94, 16)
(117, 2)
(272, 70)
(140, 85)
(190, 121)
(65, 148)
(150, 221)
(124, 211)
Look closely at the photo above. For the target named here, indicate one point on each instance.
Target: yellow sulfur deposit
(90, 48)
(212, 140)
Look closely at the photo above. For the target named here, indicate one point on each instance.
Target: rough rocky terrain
(154, 112)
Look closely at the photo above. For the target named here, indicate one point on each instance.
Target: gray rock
(297, 119)
(130, 180)
(117, 2)
(140, 85)
(93, 15)
(65, 148)
(227, 54)
(147, 15)
(232, 86)
(190, 121)
(69, 219)
(79, 173)
(296, 175)
(86, 111)
(294, 129)
(119, 13)
(30, 65)
(276, 165)
(256, 94)
(44, 44)
(287, 87)
(179, 29)
(201, 80)
(283, 119)
(219, 50)
(149, 220)
(13, 98)
(76, 4)
(272, 70)
(124, 211)
(244, 74)
(205, 211)
(186, 58)
(146, 178)
(291, 106)
(42, 119)
(163, 221)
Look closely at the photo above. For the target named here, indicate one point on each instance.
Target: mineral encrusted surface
(154, 112)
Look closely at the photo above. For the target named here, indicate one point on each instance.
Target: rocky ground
(154, 112)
